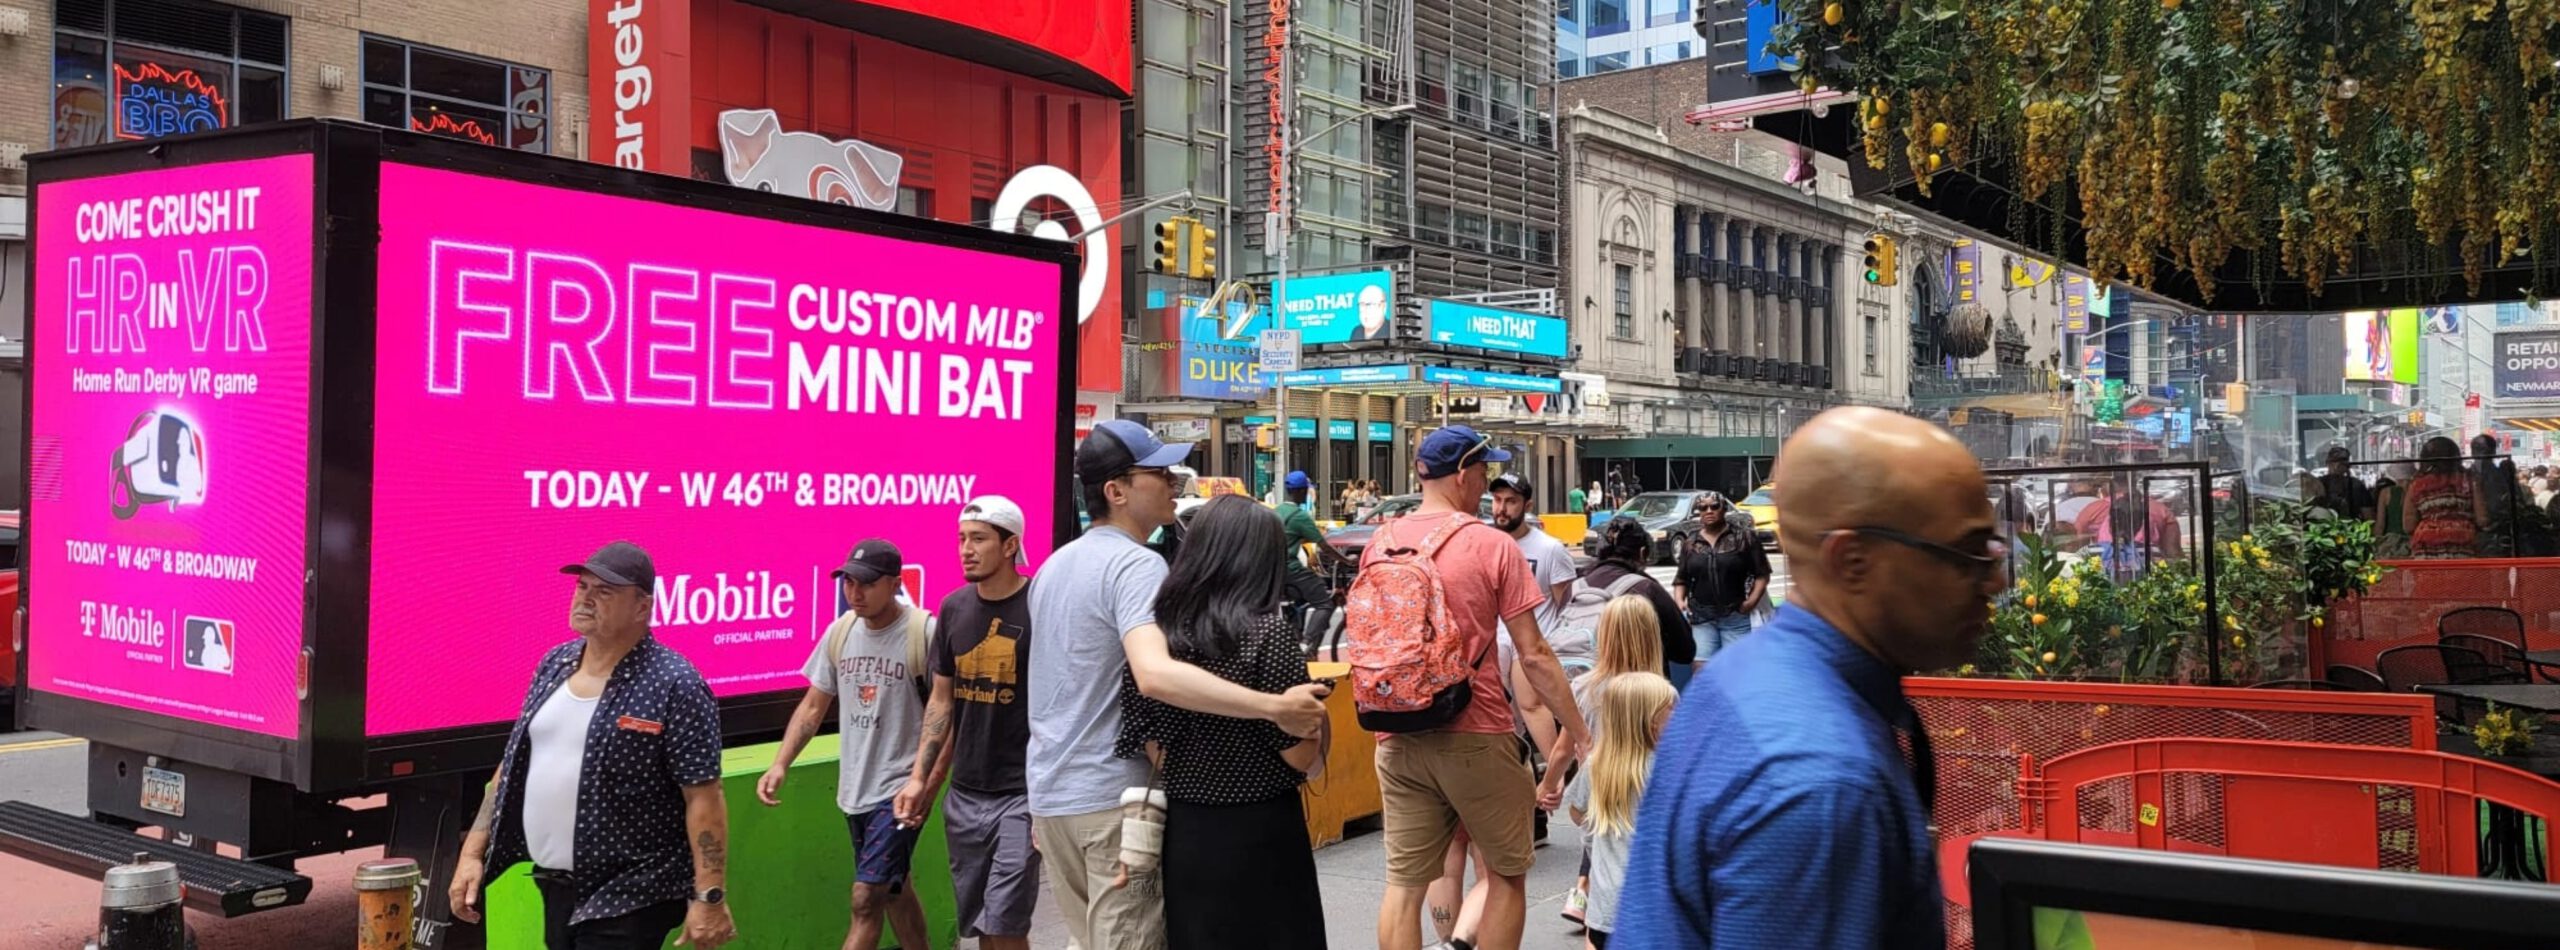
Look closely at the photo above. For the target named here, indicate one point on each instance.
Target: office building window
(1622, 322)
(915, 201)
(1608, 17)
(438, 92)
(138, 69)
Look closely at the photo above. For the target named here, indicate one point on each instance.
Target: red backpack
(1409, 666)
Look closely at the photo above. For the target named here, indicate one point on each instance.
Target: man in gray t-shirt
(1093, 615)
(865, 666)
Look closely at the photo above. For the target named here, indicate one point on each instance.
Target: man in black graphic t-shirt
(977, 731)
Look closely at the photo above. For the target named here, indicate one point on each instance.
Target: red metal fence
(1987, 733)
(2403, 608)
(2343, 805)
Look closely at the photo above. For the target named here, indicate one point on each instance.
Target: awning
(2532, 423)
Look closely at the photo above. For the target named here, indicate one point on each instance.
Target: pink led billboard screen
(168, 447)
(745, 398)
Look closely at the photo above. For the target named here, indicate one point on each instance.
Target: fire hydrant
(142, 907)
(386, 903)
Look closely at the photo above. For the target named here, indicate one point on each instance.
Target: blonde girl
(1603, 799)
(1629, 642)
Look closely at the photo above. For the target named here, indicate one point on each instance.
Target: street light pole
(1279, 232)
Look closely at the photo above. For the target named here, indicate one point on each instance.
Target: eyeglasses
(1993, 559)
(1176, 480)
(1483, 442)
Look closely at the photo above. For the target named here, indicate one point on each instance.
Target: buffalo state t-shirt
(1485, 579)
(985, 648)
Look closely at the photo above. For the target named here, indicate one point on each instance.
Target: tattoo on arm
(937, 734)
(488, 809)
(712, 851)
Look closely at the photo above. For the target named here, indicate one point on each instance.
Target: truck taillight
(18, 630)
(302, 677)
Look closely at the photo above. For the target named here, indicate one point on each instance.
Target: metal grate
(2395, 812)
(1980, 729)
(2192, 812)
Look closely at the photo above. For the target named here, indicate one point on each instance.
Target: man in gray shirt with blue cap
(1093, 605)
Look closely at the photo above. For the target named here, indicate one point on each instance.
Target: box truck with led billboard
(317, 410)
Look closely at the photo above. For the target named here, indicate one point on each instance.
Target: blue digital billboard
(1494, 328)
(1340, 308)
(1482, 379)
(1348, 375)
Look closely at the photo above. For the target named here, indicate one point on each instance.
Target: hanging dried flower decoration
(2182, 131)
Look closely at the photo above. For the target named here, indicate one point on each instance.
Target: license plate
(164, 791)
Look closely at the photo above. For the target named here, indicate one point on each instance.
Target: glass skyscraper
(1599, 36)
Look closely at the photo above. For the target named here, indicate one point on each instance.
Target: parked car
(1671, 516)
(1762, 506)
(9, 542)
(1353, 538)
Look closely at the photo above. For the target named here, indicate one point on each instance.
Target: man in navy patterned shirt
(610, 784)
(1782, 812)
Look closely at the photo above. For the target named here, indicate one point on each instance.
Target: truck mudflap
(214, 883)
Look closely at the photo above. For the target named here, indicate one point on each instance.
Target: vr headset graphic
(161, 460)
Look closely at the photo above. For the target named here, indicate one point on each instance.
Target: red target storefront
(998, 114)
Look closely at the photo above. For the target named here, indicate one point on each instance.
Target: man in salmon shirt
(1470, 773)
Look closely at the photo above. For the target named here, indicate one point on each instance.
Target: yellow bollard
(386, 903)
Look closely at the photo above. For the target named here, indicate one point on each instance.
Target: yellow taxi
(1762, 506)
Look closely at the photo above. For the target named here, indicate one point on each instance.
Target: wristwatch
(712, 896)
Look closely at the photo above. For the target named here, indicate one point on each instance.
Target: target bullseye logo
(1060, 185)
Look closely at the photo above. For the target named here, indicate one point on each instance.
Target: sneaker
(1575, 902)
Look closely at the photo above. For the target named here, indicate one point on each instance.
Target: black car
(1671, 516)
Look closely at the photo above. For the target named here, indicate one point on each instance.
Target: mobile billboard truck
(317, 410)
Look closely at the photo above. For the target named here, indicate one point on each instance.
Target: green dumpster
(790, 866)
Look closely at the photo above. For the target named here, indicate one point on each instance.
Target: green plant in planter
(2505, 732)
(2163, 612)
(2058, 622)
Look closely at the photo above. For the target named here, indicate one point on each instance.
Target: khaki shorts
(1081, 854)
(1432, 782)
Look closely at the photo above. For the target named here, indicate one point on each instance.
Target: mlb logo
(911, 582)
(210, 644)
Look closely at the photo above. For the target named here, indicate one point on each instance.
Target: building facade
(1724, 306)
(1400, 145)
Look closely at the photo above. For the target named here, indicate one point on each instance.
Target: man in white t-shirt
(866, 665)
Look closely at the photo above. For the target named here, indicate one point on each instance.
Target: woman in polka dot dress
(1237, 870)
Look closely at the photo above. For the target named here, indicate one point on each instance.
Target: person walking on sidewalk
(1750, 818)
(869, 665)
(1238, 874)
(610, 782)
(976, 729)
(1470, 771)
(1604, 798)
(1093, 604)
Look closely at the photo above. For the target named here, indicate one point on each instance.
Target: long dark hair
(1229, 576)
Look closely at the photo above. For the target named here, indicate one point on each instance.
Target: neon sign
(153, 100)
(446, 125)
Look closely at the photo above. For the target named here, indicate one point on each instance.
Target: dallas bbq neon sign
(153, 100)
(447, 125)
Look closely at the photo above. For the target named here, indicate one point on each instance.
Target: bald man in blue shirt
(1782, 812)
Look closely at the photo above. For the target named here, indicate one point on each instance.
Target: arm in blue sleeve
(1810, 867)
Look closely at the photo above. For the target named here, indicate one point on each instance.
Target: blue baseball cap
(1115, 447)
(1450, 448)
(1297, 480)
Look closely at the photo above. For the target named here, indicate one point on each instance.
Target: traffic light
(1169, 246)
(1880, 259)
(1204, 252)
